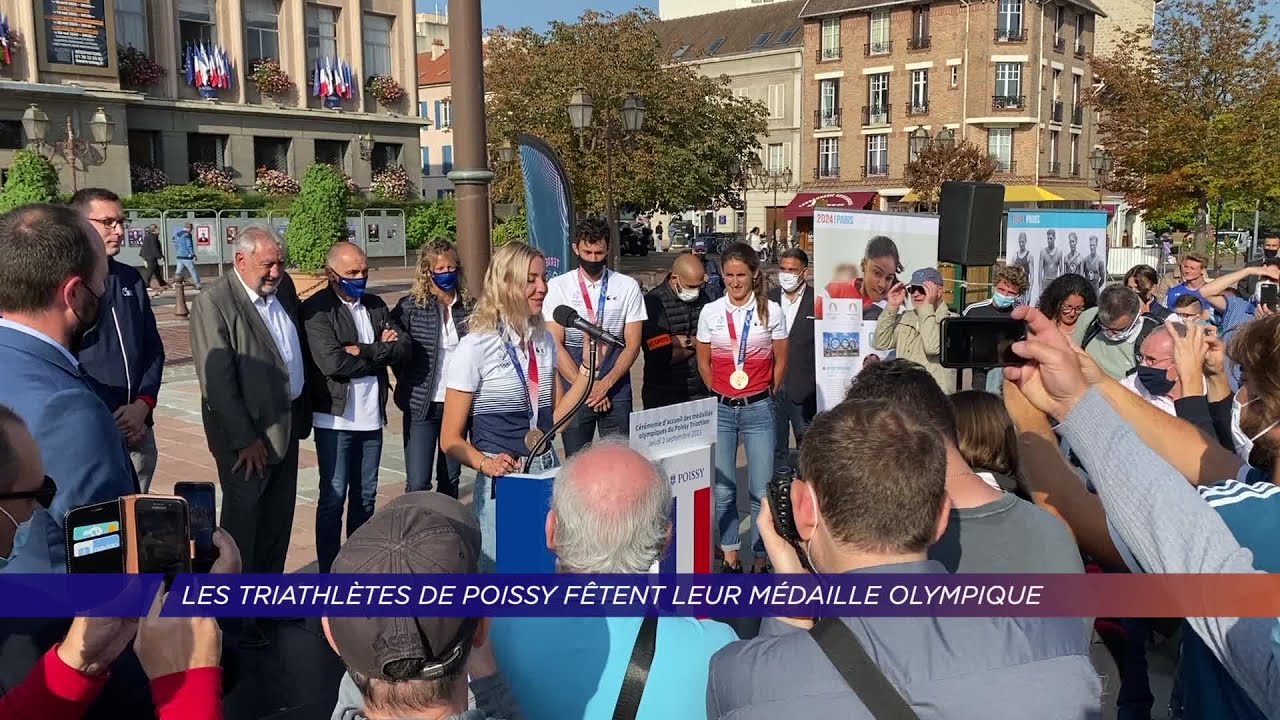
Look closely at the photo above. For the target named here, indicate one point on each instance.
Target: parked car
(680, 233)
(635, 239)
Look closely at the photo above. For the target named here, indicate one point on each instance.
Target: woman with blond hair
(435, 315)
(501, 382)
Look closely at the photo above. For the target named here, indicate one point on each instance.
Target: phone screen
(94, 541)
(162, 535)
(201, 501)
(1268, 294)
(981, 342)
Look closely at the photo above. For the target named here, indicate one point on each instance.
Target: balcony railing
(1005, 166)
(875, 115)
(919, 43)
(878, 48)
(1077, 115)
(1055, 111)
(875, 170)
(918, 107)
(1079, 49)
(1053, 168)
(826, 171)
(1011, 35)
(828, 54)
(1008, 102)
(1059, 44)
(826, 118)
(1075, 170)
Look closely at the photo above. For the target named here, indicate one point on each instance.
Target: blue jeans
(486, 510)
(614, 421)
(348, 463)
(1134, 701)
(188, 264)
(790, 416)
(755, 423)
(422, 451)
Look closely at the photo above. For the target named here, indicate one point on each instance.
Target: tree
(32, 179)
(433, 220)
(938, 162)
(696, 135)
(1195, 117)
(513, 227)
(318, 218)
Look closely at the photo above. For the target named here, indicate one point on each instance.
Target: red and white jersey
(713, 328)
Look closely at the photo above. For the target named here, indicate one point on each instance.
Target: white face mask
(687, 295)
(1243, 443)
(789, 281)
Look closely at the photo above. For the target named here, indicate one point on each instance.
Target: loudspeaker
(969, 223)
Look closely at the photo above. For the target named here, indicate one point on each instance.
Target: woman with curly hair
(1066, 299)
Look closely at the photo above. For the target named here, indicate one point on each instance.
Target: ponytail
(761, 288)
(745, 254)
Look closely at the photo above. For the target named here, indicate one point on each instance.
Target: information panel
(75, 33)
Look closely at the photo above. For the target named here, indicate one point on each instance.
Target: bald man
(670, 366)
(352, 340)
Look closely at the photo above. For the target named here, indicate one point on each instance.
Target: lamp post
(471, 174)
(366, 146)
(70, 148)
(617, 128)
(1101, 162)
(770, 180)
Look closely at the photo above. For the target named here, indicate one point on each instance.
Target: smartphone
(201, 505)
(95, 541)
(1267, 294)
(158, 534)
(981, 342)
(784, 523)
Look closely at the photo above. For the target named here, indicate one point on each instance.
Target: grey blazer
(244, 382)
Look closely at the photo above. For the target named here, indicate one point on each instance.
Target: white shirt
(282, 330)
(448, 343)
(790, 308)
(362, 412)
(1163, 402)
(624, 304)
(25, 330)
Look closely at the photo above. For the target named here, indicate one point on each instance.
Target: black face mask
(1269, 254)
(86, 321)
(592, 267)
(1155, 380)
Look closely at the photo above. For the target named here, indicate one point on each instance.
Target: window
(385, 155)
(679, 52)
(778, 100)
(878, 40)
(444, 115)
(1000, 148)
(1008, 80)
(919, 27)
(1075, 155)
(877, 155)
(715, 46)
(377, 44)
(271, 153)
(424, 108)
(1059, 22)
(1057, 85)
(830, 39)
(1009, 20)
(878, 99)
(777, 158)
(210, 149)
(447, 165)
(762, 39)
(742, 92)
(828, 103)
(196, 24)
(1055, 166)
(144, 148)
(426, 161)
(332, 152)
(444, 194)
(322, 33)
(11, 135)
(828, 157)
(261, 30)
(786, 36)
(955, 75)
(1075, 90)
(1079, 33)
(131, 24)
(919, 91)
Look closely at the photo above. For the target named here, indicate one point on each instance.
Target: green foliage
(318, 218)
(515, 227)
(32, 179)
(938, 162)
(432, 220)
(186, 197)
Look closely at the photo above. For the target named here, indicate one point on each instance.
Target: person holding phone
(916, 334)
(742, 357)
(502, 396)
(1233, 310)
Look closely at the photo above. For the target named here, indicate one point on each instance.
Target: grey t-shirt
(1009, 535)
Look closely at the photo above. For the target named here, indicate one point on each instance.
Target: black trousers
(258, 512)
(152, 270)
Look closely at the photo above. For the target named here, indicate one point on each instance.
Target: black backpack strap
(859, 671)
(637, 671)
(1091, 332)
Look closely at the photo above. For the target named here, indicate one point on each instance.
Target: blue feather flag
(548, 202)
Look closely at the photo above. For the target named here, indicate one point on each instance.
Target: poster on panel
(841, 239)
(1051, 243)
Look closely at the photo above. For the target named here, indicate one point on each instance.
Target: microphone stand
(545, 443)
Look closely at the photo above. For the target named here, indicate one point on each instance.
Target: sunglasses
(916, 289)
(44, 495)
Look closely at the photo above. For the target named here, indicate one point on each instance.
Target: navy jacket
(123, 353)
(79, 444)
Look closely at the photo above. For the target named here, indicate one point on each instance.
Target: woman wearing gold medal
(742, 357)
(501, 380)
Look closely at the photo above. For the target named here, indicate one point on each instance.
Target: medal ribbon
(595, 312)
(742, 344)
(530, 386)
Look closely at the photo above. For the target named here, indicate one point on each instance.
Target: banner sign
(75, 33)
(548, 202)
(840, 239)
(521, 523)
(838, 344)
(681, 440)
(665, 430)
(1051, 243)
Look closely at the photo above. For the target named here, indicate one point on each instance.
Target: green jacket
(917, 336)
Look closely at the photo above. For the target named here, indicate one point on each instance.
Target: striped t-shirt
(500, 412)
(713, 328)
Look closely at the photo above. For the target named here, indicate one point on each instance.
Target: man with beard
(53, 274)
(1094, 268)
(1074, 262)
(1051, 265)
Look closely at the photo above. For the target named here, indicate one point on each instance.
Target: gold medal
(739, 379)
(532, 438)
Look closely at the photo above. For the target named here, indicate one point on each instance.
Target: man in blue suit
(53, 273)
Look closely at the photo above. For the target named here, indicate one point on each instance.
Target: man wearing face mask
(1110, 331)
(352, 340)
(1180, 370)
(1009, 287)
(1270, 256)
(53, 273)
(670, 361)
(797, 403)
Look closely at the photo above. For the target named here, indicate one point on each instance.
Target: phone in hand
(158, 534)
(981, 342)
(201, 503)
(784, 522)
(95, 538)
(1268, 294)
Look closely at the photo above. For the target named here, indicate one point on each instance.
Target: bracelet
(582, 369)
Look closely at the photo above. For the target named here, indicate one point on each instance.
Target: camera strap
(859, 671)
(637, 670)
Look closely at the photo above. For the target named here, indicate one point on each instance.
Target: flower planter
(308, 284)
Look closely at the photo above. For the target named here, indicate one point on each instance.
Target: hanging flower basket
(137, 70)
(211, 176)
(350, 183)
(270, 78)
(209, 69)
(385, 89)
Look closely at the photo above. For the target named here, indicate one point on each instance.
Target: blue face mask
(1002, 301)
(353, 287)
(446, 281)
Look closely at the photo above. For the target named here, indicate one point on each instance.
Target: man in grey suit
(248, 345)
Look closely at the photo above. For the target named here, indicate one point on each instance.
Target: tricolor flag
(692, 511)
(6, 40)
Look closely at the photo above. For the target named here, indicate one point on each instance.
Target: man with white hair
(610, 513)
(247, 342)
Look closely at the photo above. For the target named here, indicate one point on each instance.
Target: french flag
(692, 517)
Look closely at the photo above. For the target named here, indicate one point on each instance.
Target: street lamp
(1102, 162)
(618, 127)
(770, 180)
(946, 138)
(366, 146)
(70, 148)
(917, 141)
(506, 152)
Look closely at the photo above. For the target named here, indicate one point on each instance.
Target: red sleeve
(189, 695)
(150, 401)
(52, 691)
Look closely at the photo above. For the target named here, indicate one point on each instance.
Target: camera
(784, 522)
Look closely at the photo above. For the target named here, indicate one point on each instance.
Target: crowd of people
(1138, 434)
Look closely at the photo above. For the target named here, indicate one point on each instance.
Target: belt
(743, 401)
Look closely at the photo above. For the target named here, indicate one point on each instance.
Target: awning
(910, 197)
(1077, 193)
(1028, 193)
(804, 203)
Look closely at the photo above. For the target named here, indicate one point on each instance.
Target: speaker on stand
(969, 216)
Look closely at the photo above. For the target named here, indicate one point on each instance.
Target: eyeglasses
(44, 495)
(1149, 361)
(112, 223)
(1070, 309)
(916, 289)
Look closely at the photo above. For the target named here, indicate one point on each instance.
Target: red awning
(804, 203)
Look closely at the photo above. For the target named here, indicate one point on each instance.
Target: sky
(539, 13)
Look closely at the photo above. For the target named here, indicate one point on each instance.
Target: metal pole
(1253, 241)
(610, 210)
(471, 174)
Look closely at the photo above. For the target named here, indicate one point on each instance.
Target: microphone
(566, 316)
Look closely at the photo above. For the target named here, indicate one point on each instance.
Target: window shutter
(437, 114)
(426, 161)
(448, 159)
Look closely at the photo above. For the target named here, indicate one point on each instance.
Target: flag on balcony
(6, 41)
(191, 66)
(548, 199)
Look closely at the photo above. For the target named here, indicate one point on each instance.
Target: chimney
(437, 48)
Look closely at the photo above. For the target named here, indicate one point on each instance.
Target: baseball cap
(419, 533)
(923, 275)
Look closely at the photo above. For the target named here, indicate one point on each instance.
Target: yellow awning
(1074, 192)
(909, 198)
(1028, 193)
